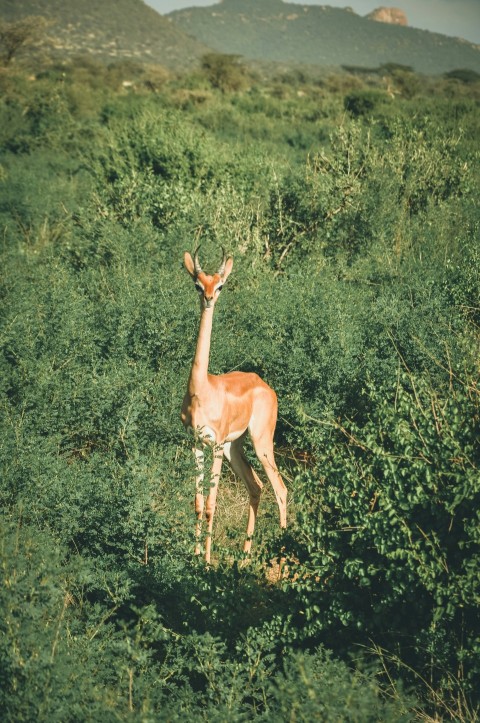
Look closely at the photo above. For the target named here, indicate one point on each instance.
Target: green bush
(354, 294)
(465, 75)
(368, 190)
(386, 540)
(364, 102)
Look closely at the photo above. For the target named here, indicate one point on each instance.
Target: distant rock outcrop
(393, 16)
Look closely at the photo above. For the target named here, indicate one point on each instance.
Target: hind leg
(262, 428)
(242, 468)
(263, 445)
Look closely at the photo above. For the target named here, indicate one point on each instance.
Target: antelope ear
(189, 265)
(228, 268)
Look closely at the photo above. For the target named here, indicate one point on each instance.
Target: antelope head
(208, 286)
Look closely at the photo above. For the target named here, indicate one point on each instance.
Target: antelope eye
(199, 288)
(219, 288)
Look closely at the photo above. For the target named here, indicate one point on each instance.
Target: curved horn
(196, 262)
(222, 265)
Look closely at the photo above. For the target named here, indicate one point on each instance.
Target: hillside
(111, 30)
(272, 30)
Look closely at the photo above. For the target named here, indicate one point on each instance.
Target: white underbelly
(208, 436)
(232, 436)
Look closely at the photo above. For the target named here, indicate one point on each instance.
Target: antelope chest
(202, 418)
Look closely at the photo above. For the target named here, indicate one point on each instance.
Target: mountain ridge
(274, 30)
(110, 31)
(265, 31)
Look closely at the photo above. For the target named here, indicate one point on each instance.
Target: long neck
(198, 374)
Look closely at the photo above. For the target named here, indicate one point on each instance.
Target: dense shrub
(364, 102)
(354, 293)
(386, 541)
(367, 190)
(465, 75)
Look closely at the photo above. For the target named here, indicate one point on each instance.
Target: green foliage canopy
(355, 294)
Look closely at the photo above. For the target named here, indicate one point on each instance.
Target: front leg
(199, 477)
(217, 452)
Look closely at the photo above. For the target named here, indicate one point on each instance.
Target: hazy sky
(460, 18)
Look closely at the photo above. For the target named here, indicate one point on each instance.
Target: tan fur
(221, 410)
